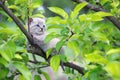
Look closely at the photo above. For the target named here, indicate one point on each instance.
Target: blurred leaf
(5, 33)
(89, 17)
(74, 46)
(65, 31)
(38, 15)
(54, 26)
(20, 1)
(7, 50)
(21, 77)
(113, 57)
(100, 36)
(112, 51)
(59, 11)
(3, 25)
(37, 77)
(23, 69)
(56, 21)
(34, 5)
(97, 16)
(47, 77)
(102, 14)
(55, 62)
(76, 10)
(95, 73)
(59, 45)
(48, 52)
(20, 49)
(18, 56)
(14, 7)
(104, 1)
(4, 72)
(113, 68)
(96, 58)
(25, 57)
(4, 62)
(115, 4)
(63, 58)
(39, 71)
(3, 13)
(50, 37)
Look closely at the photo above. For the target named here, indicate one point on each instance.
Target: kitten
(38, 32)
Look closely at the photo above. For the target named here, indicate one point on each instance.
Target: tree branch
(15, 19)
(74, 66)
(20, 25)
(92, 7)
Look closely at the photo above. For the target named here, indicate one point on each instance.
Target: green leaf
(104, 1)
(47, 77)
(74, 46)
(18, 56)
(59, 11)
(76, 10)
(4, 13)
(97, 16)
(34, 5)
(38, 15)
(56, 21)
(59, 45)
(48, 52)
(113, 68)
(14, 7)
(50, 37)
(23, 69)
(113, 57)
(55, 62)
(63, 58)
(37, 77)
(102, 14)
(100, 36)
(96, 58)
(20, 1)
(4, 72)
(25, 57)
(94, 74)
(65, 31)
(7, 50)
(4, 62)
(21, 77)
(3, 25)
(89, 17)
(112, 51)
(115, 4)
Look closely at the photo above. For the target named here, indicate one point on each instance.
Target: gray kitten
(38, 32)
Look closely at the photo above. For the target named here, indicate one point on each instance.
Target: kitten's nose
(41, 29)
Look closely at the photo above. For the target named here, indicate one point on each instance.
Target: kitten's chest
(39, 39)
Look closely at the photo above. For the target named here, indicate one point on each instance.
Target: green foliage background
(91, 40)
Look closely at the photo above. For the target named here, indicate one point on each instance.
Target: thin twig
(35, 62)
(44, 66)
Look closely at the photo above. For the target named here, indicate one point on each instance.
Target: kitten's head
(37, 26)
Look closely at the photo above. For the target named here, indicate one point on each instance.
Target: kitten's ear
(30, 20)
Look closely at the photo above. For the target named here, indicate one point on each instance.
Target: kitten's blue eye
(37, 25)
